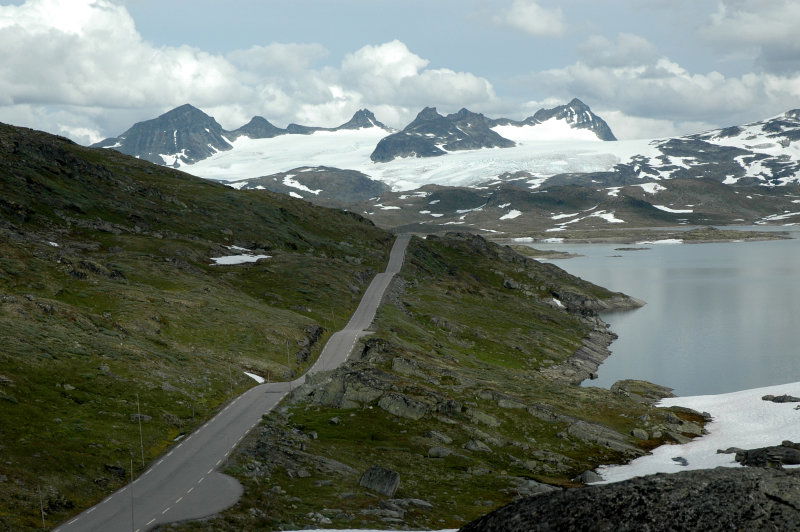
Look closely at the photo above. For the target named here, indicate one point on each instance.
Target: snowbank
(741, 419)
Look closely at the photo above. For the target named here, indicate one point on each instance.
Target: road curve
(184, 483)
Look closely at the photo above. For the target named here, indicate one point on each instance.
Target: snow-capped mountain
(762, 153)
(432, 135)
(574, 120)
(185, 134)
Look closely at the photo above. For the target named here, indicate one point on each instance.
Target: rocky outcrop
(781, 398)
(583, 364)
(432, 135)
(718, 499)
(380, 480)
(787, 453)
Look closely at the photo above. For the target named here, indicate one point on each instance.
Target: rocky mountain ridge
(186, 135)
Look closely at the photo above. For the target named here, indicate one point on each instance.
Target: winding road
(184, 483)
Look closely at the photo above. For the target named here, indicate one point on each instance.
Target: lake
(719, 317)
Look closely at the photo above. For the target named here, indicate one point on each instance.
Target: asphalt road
(184, 483)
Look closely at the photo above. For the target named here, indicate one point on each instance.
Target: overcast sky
(89, 69)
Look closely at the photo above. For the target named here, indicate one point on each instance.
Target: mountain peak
(363, 118)
(428, 113)
(575, 103)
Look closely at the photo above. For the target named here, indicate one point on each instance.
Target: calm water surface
(719, 317)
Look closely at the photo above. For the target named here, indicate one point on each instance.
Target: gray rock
(439, 452)
(717, 499)
(511, 284)
(403, 406)
(787, 453)
(730, 450)
(482, 417)
(140, 417)
(640, 434)
(680, 460)
(380, 480)
(510, 404)
(477, 445)
(526, 487)
(602, 436)
(587, 477)
(335, 421)
(436, 435)
(781, 398)
(417, 503)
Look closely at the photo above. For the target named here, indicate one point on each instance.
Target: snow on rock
(607, 216)
(560, 216)
(669, 209)
(740, 419)
(663, 241)
(553, 240)
(259, 379)
(558, 303)
(237, 259)
(510, 215)
(651, 188)
(523, 239)
(54, 244)
(289, 182)
(295, 195)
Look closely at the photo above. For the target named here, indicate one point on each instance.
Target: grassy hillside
(465, 389)
(108, 292)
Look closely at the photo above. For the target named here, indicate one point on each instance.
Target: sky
(89, 69)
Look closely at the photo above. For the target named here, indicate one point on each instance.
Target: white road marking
(153, 520)
(167, 510)
(90, 510)
(219, 461)
(190, 490)
(159, 462)
(201, 480)
(178, 500)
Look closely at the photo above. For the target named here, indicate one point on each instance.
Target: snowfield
(741, 419)
(350, 149)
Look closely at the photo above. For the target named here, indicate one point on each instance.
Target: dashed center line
(153, 520)
(166, 510)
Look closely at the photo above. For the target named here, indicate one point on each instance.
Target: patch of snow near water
(259, 379)
(237, 259)
(663, 241)
(553, 240)
(741, 419)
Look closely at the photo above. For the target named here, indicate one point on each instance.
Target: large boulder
(403, 406)
(717, 499)
(380, 480)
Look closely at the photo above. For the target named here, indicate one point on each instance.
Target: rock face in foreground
(717, 499)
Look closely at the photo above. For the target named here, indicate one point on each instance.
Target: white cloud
(628, 49)
(65, 63)
(628, 75)
(285, 57)
(769, 28)
(637, 127)
(530, 17)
